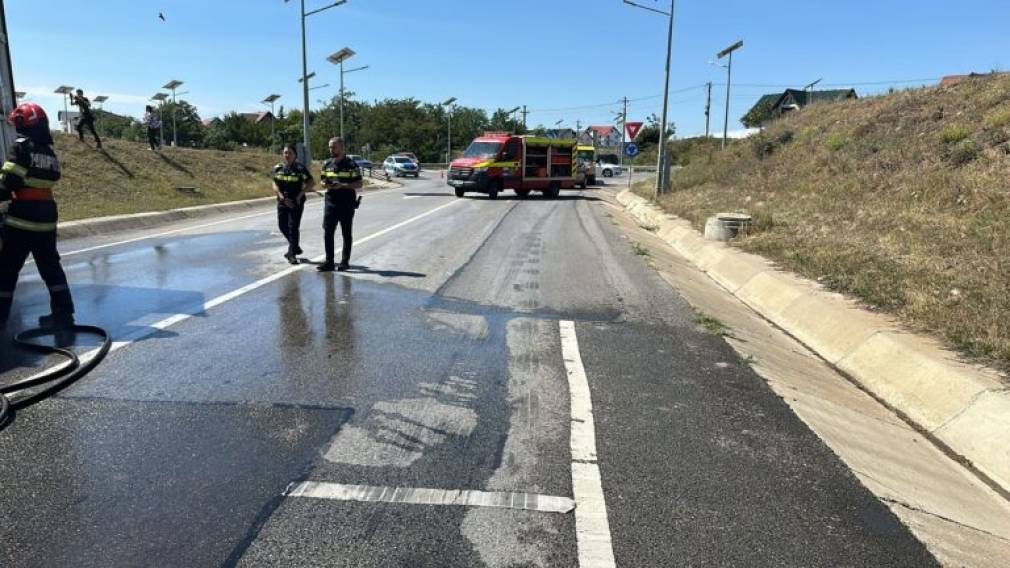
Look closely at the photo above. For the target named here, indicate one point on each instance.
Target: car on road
(412, 157)
(608, 170)
(363, 162)
(400, 166)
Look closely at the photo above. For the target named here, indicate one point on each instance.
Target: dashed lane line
(592, 528)
(421, 496)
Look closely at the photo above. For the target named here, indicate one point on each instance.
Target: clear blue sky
(546, 54)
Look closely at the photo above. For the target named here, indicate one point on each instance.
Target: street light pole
(448, 145)
(172, 86)
(729, 78)
(661, 160)
(270, 100)
(305, 73)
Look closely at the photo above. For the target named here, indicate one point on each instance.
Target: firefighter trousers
(17, 245)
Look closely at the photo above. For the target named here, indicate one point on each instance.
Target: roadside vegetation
(129, 178)
(899, 200)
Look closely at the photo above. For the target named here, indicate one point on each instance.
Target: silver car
(400, 166)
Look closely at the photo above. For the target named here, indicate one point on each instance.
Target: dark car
(363, 162)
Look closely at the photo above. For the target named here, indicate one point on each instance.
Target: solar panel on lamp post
(448, 121)
(172, 86)
(65, 90)
(338, 58)
(661, 175)
(305, 73)
(270, 100)
(160, 99)
(729, 79)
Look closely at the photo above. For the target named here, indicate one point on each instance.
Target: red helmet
(27, 115)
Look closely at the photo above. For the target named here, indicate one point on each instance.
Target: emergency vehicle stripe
(13, 168)
(26, 225)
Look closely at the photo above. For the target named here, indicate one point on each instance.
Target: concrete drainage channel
(963, 408)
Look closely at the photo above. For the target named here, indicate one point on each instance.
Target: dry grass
(901, 201)
(129, 178)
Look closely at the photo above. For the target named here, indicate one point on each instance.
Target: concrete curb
(965, 407)
(139, 221)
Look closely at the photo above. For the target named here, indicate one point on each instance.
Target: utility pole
(578, 127)
(708, 107)
(524, 117)
(624, 129)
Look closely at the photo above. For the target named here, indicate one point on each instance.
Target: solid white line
(195, 227)
(592, 528)
(438, 497)
(178, 318)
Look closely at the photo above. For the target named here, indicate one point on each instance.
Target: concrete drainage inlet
(725, 226)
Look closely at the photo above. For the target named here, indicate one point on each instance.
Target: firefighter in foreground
(292, 181)
(28, 177)
(342, 178)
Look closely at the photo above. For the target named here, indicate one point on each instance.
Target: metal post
(661, 161)
(341, 99)
(729, 78)
(624, 130)
(448, 149)
(305, 94)
(273, 125)
(175, 129)
(524, 118)
(66, 112)
(708, 108)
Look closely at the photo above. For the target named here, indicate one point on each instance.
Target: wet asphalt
(434, 363)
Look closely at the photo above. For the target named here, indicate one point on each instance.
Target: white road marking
(178, 318)
(193, 228)
(592, 528)
(440, 497)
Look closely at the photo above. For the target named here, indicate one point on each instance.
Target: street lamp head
(362, 68)
(160, 97)
(513, 110)
(449, 101)
(341, 56)
(729, 50)
(271, 99)
(309, 76)
(64, 90)
(173, 84)
(101, 98)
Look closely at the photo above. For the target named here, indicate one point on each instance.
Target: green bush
(836, 141)
(998, 118)
(954, 133)
(965, 151)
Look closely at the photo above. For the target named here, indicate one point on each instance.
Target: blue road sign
(630, 149)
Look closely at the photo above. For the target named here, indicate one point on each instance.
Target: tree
(187, 120)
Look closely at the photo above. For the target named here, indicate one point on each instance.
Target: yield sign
(633, 128)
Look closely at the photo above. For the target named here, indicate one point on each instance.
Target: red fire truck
(497, 161)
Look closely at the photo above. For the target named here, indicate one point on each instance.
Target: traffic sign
(630, 149)
(633, 128)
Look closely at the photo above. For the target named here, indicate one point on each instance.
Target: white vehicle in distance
(400, 166)
(608, 170)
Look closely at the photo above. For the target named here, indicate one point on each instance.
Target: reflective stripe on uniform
(39, 183)
(280, 177)
(13, 168)
(26, 225)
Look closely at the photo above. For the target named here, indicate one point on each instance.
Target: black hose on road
(24, 392)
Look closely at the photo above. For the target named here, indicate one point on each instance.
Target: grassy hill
(901, 200)
(129, 178)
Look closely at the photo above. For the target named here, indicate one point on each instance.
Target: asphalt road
(247, 403)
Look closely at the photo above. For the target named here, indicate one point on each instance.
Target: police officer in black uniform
(291, 182)
(342, 178)
(27, 180)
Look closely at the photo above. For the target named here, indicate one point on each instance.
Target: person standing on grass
(342, 178)
(153, 123)
(292, 181)
(87, 118)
